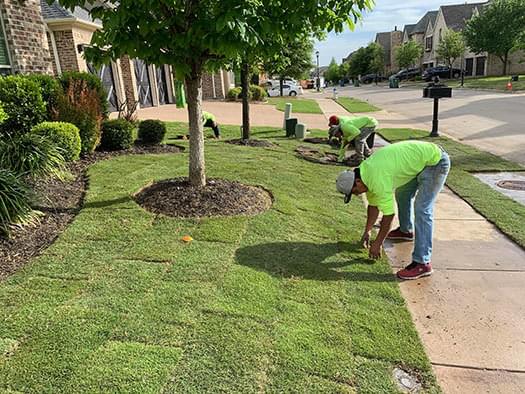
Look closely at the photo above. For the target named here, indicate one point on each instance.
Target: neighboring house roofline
(59, 23)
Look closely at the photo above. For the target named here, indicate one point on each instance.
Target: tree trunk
(505, 63)
(197, 173)
(281, 89)
(245, 71)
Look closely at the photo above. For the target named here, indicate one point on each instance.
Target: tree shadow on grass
(307, 261)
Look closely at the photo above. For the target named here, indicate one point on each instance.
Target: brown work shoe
(398, 235)
(415, 271)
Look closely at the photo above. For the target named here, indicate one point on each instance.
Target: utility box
(291, 123)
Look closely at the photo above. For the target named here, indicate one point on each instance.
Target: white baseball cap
(345, 183)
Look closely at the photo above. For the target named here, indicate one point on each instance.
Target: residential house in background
(431, 28)
(36, 37)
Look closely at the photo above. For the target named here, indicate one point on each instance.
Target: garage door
(143, 83)
(105, 73)
(162, 86)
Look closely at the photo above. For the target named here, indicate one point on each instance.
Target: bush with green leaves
(51, 90)
(233, 94)
(31, 155)
(65, 136)
(152, 132)
(22, 101)
(117, 134)
(3, 115)
(258, 93)
(82, 105)
(15, 201)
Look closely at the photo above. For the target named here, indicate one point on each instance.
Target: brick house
(36, 37)
(389, 41)
(419, 33)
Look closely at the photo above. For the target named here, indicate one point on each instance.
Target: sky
(384, 17)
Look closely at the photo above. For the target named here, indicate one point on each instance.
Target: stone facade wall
(128, 79)
(396, 38)
(25, 32)
(516, 64)
(207, 86)
(81, 37)
(67, 52)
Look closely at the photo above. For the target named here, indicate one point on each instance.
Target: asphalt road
(494, 122)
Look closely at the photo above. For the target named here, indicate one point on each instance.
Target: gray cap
(345, 183)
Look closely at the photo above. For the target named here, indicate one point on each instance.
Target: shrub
(258, 93)
(233, 94)
(15, 201)
(92, 82)
(51, 90)
(117, 134)
(31, 155)
(64, 135)
(3, 115)
(80, 104)
(152, 131)
(23, 104)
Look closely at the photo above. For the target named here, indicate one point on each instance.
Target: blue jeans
(427, 185)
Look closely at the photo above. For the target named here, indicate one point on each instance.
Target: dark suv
(408, 73)
(370, 78)
(441, 72)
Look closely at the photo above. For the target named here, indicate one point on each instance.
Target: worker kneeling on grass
(410, 170)
(357, 129)
(208, 120)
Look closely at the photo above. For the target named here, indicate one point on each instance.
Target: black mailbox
(436, 90)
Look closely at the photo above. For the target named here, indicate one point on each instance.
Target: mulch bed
(59, 202)
(252, 142)
(320, 157)
(177, 198)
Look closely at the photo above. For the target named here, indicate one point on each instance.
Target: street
(490, 121)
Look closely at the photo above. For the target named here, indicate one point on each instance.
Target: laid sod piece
(508, 215)
(303, 106)
(496, 83)
(356, 106)
(285, 301)
(252, 142)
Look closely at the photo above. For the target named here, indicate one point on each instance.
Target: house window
(428, 43)
(5, 64)
(440, 34)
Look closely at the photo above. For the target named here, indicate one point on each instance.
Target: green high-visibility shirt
(393, 166)
(351, 128)
(207, 116)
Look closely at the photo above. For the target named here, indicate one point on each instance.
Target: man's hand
(375, 250)
(365, 240)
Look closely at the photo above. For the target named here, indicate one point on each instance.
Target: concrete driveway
(494, 122)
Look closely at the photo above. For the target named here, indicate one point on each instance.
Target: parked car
(407, 73)
(370, 78)
(441, 72)
(308, 83)
(288, 90)
(275, 82)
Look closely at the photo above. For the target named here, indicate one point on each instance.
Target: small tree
(408, 53)
(377, 58)
(497, 29)
(332, 72)
(451, 47)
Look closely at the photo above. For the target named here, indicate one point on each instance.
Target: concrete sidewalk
(471, 313)
(230, 113)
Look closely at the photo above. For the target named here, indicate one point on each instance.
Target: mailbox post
(436, 90)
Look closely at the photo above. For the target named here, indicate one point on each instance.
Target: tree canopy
(198, 35)
(498, 29)
(332, 72)
(408, 53)
(367, 60)
(451, 47)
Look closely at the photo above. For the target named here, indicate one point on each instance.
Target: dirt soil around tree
(320, 157)
(59, 201)
(177, 198)
(252, 142)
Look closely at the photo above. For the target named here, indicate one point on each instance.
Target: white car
(288, 90)
(275, 82)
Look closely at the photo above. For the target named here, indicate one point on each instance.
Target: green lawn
(356, 106)
(507, 214)
(497, 83)
(282, 302)
(299, 105)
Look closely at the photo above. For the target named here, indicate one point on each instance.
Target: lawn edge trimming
(498, 219)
